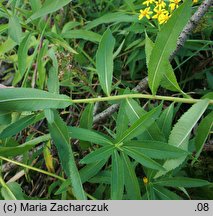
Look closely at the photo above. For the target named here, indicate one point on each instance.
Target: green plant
(142, 152)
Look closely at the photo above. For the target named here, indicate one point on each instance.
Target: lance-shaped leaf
(169, 80)
(59, 133)
(5, 117)
(140, 125)
(182, 182)
(35, 5)
(117, 177)
(82, 34)
(130, 179)
(164, 194)
(14, 29)
(142, 158)
(165, 120)
(86, 122)
(186, 123)
(91, 170)
(27, 99)
(19, 125)
(22, 55)
(156, 149)
(134, 111)
(11, 191)
(181, 131)
(122, 120)
(104, 61)
(90, 136)
(48, 7)
(203, 131)
(21, 149)
(98, 155)
(165, 44)
(109, 18)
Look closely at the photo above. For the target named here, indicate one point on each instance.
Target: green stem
(144, 96)
(37, 170)
(33, 168)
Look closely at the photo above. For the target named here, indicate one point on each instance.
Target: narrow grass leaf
(104, 61)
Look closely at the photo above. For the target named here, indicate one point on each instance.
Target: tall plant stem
(144, 96)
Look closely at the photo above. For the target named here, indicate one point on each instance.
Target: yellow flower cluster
(159, 9)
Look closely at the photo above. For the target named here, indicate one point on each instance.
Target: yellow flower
(195, 1)
(174, 4)
(145, 180)
(147, 2)
(158, 13)
(163, 18)
(160, 4)
(145, 13)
